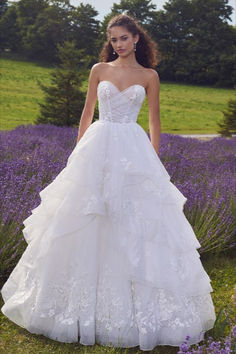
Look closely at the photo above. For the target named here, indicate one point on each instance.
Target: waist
(117, 119)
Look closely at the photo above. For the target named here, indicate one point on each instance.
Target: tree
(85, 29)
(3, 7)
(228, 125)
(211, 49)
(15, 22)
(64, 99)
(142, 10)
(171, 29)
(197, 43)
(42, 24)
(45, 28)
(10, 37)
(27, 13)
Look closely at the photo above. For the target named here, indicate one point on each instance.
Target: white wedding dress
(111, 257)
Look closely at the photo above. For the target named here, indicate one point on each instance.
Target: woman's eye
(123, 39)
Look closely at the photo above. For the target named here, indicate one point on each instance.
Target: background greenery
(196, 43)
(184, 108)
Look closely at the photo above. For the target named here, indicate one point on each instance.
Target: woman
(111, 257)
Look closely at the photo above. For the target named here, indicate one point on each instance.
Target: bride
(111, 257)
(128, 58)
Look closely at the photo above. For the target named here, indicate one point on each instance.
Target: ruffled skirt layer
(111, 257)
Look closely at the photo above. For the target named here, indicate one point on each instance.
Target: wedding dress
(110, 256)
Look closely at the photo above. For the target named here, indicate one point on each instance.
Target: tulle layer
(97, 181)
(82, 292)
(111, 256)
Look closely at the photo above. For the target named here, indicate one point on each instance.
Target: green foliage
(49, 28)
(64, 99)
(35, 27)
(197, 42)
(209, 218)
(222, 272)
(10, 37)
(220, 324)
(85, 29)
(11, 246)
(228, 125)
(140, 9)
(3, 7)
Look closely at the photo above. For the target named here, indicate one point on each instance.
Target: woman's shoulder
(99, 65)
(98, 68)
(149, 73)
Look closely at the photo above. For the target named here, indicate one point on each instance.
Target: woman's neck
(127, 62)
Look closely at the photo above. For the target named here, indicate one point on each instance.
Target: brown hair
(146, 49)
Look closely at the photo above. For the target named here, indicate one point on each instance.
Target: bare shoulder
(152, 80)
(98, 67)
(152, 75)
(98, 70)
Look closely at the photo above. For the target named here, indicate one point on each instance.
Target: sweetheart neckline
(121, 91)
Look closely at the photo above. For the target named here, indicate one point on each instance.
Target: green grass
(189, 109)
(15, 339)
(20, 93)
(222, 272)
(185, 109)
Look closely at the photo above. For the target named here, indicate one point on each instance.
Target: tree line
(196, 43)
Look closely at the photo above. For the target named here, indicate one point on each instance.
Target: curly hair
(146, 50)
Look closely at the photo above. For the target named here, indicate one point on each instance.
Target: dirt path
(202, 136)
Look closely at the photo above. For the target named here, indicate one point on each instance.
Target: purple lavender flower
(234, 331)
(31, 156)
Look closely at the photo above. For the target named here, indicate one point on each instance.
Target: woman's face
(122, 40)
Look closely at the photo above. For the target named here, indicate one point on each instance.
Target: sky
(104, 6)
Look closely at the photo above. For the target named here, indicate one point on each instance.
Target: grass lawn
(20, 93)
(185, 109)
(14, 339)
(189, 109)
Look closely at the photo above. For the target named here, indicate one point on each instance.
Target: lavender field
(31, 156)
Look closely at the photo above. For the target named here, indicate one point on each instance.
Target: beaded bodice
(119, 106)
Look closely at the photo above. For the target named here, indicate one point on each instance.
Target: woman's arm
(91, 98)
(153, 91)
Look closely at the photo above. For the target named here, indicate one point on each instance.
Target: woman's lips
(121, 50)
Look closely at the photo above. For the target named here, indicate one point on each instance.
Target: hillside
(185, 109)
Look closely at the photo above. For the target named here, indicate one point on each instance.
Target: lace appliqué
(130, 101)
(110, 305)
(179, 266)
